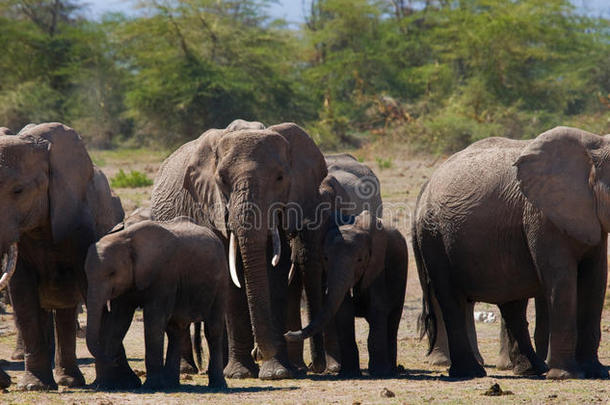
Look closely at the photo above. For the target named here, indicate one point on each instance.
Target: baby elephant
(177, 272)
(366, 272)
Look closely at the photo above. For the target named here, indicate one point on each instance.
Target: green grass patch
(132, 179)
(384, 163)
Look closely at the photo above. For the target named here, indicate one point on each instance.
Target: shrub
(132, 180)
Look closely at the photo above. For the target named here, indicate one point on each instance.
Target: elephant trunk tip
(295, 336)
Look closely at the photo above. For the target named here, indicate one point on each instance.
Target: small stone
(186, 377)
(386, 393)
(356, 403)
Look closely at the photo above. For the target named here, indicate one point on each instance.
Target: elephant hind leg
(187, 361)
(176, 335)
(522, 355)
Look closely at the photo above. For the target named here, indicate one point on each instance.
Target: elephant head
(116, 265)
(245, 181)
(44, 175)
(238, 125)
(354, 256)
(565, 173)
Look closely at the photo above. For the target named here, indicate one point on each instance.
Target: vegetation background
(436, 74)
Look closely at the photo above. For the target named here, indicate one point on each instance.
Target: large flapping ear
(70, 171)
(104, 204)
(200, 179)
(373, 226)
(148, 263)
(308, 167)
(556, 174)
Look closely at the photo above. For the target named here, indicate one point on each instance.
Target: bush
(132, 180)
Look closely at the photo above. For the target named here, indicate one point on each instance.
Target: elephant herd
(243, 220)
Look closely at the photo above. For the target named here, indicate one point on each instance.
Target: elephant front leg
(175, 338)
(592, 280)
(350, 359)
(155, 324)
(379, 362)
(215, 335)
(66, 368)
(35, 324)
(240, 340)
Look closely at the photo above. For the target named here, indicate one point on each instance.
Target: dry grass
(421, 382)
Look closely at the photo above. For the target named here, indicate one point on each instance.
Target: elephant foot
(275, 369)
(17, 354)
(467, 370)
(594, 370)
(564, 374)
(69, 377)
(157, 384)
(119, 378)
(332, 365)
(241, 369)
(438, 358)
(5, 379)
(382, 372)
(187, 368)
(217, 382)
(504, 363)
(30, 382)
(524, 367)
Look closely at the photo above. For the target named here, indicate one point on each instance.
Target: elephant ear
(556, 173)
(373, 226)
(70, 171)
(200, 179)
(147, 267)
(307, 163)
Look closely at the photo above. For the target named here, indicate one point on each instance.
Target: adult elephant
(54, 204)
(349, 188)
(531, 217)
(242, 184)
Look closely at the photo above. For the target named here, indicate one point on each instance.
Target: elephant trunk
(339, 282)
(312, 280)
(251, 236)
(95, 312)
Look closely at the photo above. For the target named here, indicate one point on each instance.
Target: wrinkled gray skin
(349, 188)
(54, 203)
(370, 260)
(177, 273)
(531, 217)
(216, 179)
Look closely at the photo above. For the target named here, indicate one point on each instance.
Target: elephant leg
(393, 324)
(377, 343)
(18, 353)
(472, 332)
(439, 356)
(331, 346)
(197, 348)
(541, 332)
(344, 321)
(214, 329)
(111, 368)
(187, 361)
(175, 339)
(239, 333)
(155, 324)
(35, 324)
(66, 368)
(592, 279)
(293, 322)
(523, 357)
(507, 345)
(321, 358)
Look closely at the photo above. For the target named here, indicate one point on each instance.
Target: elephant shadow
(202, 389)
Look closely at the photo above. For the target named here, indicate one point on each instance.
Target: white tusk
(9, 264)
(351, 292)
(108, 305)
(291, 273)
(277, 246)
(232, 255)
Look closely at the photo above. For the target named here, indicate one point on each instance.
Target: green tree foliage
(436, 73)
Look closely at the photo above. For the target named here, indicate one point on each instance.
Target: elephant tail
(426, 322)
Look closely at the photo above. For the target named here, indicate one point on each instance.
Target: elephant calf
(177, 272)
(366, 266)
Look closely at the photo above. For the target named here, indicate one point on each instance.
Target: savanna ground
(401, 175)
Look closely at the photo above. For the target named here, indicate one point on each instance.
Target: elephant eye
(359, 259)
(280, 178)
(18, 190)
(325, 258)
